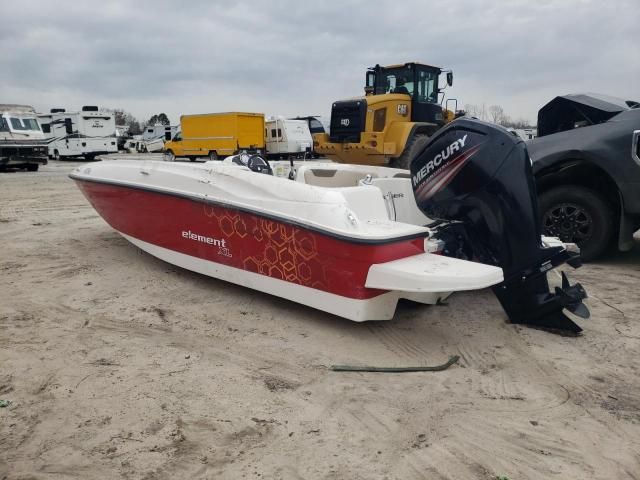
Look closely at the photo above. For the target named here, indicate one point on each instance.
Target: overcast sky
(296, 57)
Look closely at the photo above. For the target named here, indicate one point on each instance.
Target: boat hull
(272, 255)
(380, 307)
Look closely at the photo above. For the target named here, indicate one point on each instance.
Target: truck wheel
(579, 215)
(169, 156)
(56, 155)
(89, 157)
(213, 156)
(33, 167)
(412, 148)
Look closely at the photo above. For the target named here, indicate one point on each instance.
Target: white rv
(22, 143)
(287, 138)
(87, 133)
(154, 136)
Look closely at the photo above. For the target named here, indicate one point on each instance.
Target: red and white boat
(325, 240)
(350, 239)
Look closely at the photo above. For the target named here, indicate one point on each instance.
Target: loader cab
(418, 81)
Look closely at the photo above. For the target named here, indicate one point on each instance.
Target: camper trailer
(166, 132)
(87, 133)
(154, 136)
(287, 138)
(317, 123)
(22, 143)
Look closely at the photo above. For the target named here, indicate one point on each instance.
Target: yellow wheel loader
(394, 119)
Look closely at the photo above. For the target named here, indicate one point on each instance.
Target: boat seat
(366, 202)
(332, 178)
(398, 196)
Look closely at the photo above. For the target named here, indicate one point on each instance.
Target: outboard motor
(478, 178)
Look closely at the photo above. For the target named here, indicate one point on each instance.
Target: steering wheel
(257, 164)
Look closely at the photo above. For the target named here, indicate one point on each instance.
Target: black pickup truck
(586, 160)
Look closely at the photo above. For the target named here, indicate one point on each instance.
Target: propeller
(571, 296)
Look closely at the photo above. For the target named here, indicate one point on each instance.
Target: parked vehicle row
(91, 132)
(219, 135)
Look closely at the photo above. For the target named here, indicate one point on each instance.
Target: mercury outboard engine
(478, 178)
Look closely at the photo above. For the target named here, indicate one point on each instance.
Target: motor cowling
(478, 178)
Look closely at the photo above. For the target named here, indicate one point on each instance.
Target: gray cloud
(293, 57)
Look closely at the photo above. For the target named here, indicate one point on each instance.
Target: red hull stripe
(244, 240)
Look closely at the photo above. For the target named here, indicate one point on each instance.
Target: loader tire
(414, 146)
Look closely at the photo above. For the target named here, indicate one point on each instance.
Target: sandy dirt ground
(121, 366)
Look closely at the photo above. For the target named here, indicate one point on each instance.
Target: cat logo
(344, 122)
(403, 109)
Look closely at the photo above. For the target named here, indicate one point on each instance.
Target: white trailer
(287, 138)
(317, 123)
(87, 133)
(166, 132)
(154, 136)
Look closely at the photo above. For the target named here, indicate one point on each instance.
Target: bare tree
(497, 114)
(135, 128)
(123, 117)
(518, 123)
(482, 114)
(477, 111)
(505, 120)
(472, 110)
(159, 119)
